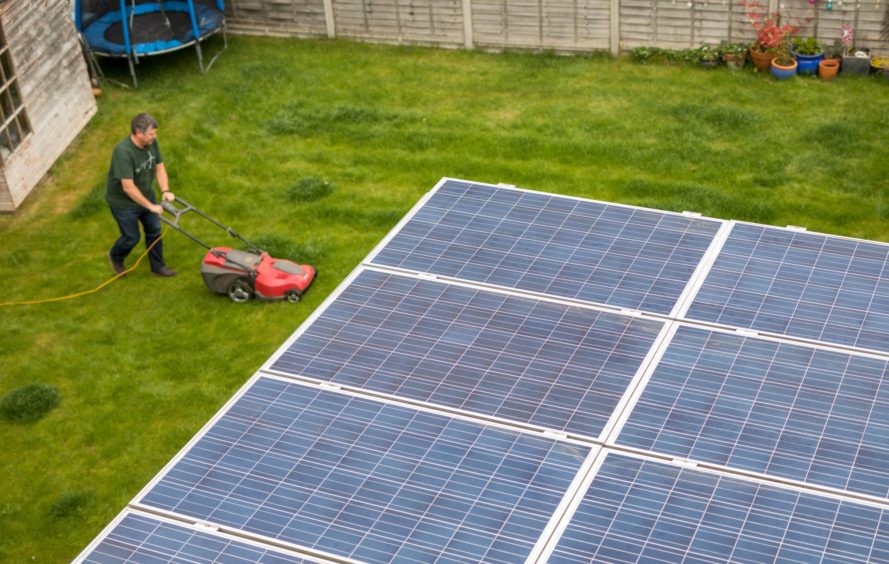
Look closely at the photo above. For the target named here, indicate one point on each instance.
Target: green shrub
(70, 503)
(305, 252)
(309, 189)
(30, 403)
(89, 205)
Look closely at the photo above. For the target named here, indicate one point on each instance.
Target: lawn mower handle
(177, 213)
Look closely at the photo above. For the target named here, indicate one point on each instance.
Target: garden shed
(45, 93)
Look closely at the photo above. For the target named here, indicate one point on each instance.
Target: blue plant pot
(783, 73)
(808, 64)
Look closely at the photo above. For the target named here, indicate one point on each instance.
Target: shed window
(14, 126)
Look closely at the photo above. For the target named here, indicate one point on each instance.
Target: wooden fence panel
(437, 22)
(563, 25)
(277, 17)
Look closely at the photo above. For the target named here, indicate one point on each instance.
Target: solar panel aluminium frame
(599, 447)
(710, 261)
(195, 527)
(623, 414)
(547, 544)
(137, 507)
(685, 296)
(480, 417)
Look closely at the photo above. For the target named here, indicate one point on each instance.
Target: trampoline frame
(133, 51)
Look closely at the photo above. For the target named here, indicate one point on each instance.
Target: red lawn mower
(244, 274)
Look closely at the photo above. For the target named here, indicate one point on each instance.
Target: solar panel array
(513, 376)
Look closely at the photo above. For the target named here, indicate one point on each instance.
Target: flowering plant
(847, 35)
(771, 34)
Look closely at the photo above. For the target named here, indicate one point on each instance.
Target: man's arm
(160, 172)
(136, 195)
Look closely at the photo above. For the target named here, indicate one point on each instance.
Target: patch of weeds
(767, 181)
(90, 204)
(70, 503)
(361, 218)
(836, 138)
(295, 119)
(284, 248)
(695, 198)
(29, 403)
(309, 189)
(18, 257)
(722, 118)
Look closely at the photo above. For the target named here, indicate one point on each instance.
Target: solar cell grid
(804, 285)
(141, 538)
(638, 510)
(787, 410)
(557, 366)
(342, 472)
(579, 249)
(368, 480)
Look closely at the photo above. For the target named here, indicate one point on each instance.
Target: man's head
(144, 130)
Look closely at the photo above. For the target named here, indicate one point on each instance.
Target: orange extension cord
(94, 290)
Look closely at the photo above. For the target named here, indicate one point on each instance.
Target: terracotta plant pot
(828, 68)
(762, 61)
(733, 61)
(783, 72)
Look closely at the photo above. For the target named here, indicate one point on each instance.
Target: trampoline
(137, 28)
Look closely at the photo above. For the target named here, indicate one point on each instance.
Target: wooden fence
(560, 25)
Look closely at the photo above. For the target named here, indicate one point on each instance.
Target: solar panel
(476, 391)
(554, 245)
(145, 538)
(786, 410)
(639, 510)
(806, 285)
(552, 365)
(359, 478)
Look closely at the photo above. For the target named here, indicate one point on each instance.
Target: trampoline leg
(197, 48)
(216, 56)
(133, 72)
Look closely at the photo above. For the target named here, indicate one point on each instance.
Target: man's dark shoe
(117, 267)
(164, 271)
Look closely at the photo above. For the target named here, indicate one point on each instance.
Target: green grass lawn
(142, 365)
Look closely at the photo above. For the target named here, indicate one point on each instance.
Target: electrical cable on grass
(94, 290)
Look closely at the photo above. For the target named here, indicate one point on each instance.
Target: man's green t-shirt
(129, 161)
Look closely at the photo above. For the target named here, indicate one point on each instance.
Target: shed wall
(55, 89)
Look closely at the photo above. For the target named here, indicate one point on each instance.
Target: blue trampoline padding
(209, 20)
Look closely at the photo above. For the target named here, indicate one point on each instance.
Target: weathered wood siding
(562, 25)
(55, 88)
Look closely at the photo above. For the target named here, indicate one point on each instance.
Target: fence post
(614, 16)
(328, 19)
(467, 24)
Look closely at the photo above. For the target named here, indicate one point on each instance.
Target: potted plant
(734, 54)
(829, 66)
(855, 61)
(808, 53)
(880, 66)
(783, 64)
(708, 55)
(770, 33)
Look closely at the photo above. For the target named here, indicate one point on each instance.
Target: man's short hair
(142, 123)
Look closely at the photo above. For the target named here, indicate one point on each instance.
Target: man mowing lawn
(135, 162)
